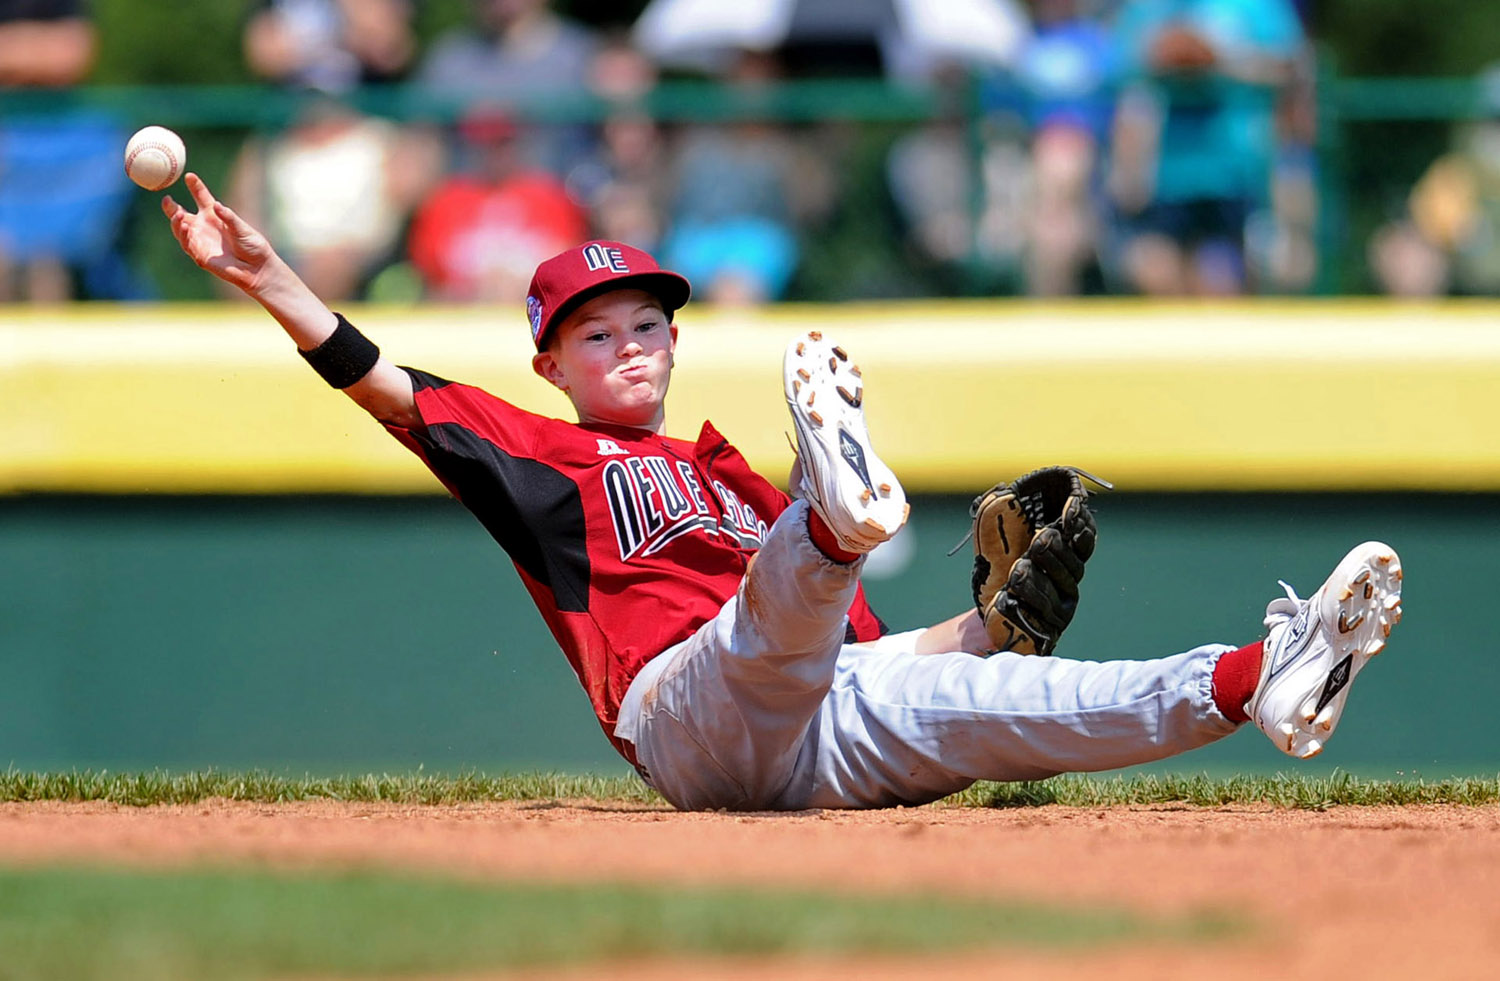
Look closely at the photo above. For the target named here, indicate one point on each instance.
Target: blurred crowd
(1159, 147)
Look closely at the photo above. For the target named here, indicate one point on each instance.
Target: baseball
(155, 157)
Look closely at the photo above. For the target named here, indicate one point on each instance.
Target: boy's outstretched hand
(217, 239)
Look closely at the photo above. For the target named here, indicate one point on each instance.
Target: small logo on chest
(608, 447)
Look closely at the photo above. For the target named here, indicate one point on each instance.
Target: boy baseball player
(718, 626)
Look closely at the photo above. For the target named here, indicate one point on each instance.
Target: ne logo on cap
(599, 257)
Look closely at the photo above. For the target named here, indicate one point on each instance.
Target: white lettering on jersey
(649, 507)
(694, 488)
(740, 520)
(608, 447)
(673, 500)
(648, 490)
(624, 508)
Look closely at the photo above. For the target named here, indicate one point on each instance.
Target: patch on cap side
(534, 314)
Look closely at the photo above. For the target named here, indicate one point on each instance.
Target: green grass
(160, 787)
(1076, 790)
(80, 924)
(1281, 790)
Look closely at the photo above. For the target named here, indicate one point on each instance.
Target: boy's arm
(964, 632)
(227, 246)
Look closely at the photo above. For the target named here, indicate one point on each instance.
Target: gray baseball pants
(765, 707)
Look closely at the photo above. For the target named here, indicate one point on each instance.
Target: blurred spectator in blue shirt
(1068, 68)
(63, 193)
(742, 192)
(1067, 75)
(330, 45)
(1195, 137)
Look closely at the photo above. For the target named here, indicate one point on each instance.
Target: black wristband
(345, 357)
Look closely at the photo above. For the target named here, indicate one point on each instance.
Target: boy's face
(612, 357)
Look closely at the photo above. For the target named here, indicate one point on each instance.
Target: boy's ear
(546, 366)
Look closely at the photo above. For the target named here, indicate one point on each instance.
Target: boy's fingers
(227, 216)
(200, 192)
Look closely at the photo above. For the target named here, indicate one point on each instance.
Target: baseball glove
(1032, 538)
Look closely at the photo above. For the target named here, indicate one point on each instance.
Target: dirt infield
(1349, 892)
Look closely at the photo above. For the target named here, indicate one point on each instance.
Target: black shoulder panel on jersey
(851, 634)
(421, 380)
(532, 510)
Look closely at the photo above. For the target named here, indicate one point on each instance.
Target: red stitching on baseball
(166, 151)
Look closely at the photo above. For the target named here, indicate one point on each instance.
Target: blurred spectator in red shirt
(482, 232)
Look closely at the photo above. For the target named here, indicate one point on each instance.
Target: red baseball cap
(569, 279)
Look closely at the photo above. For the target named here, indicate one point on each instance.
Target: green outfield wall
(333, 634)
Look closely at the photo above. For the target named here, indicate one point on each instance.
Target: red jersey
(627, 541)
(470, 229)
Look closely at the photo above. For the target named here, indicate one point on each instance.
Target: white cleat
(1317, 646)
(856, 495)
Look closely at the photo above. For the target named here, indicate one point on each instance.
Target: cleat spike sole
(842, 479)
(1303, 698)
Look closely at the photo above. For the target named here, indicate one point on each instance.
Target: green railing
(1342, 103)
(856, 100)
(675, 102)
(1392, 99)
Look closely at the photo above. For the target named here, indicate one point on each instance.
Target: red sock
(823, 538)
(1235, 678)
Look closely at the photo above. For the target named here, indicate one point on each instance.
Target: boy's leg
(718, 721)
(906, 728)
(855, 494)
